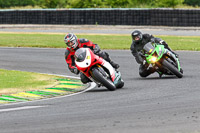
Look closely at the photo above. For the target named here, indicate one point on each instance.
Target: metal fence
(156, 17)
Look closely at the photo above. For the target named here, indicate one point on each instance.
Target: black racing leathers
(136, 49)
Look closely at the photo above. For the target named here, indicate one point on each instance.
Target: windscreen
(80, 54)
(148, 47)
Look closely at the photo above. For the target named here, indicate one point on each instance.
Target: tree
(117, 3)
(52, 3)
(85, 3)
(167, 3)
(12, 3)
(192, 2)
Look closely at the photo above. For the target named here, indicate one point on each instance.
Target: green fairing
(157, 49)
(179, 66)
(160, 51)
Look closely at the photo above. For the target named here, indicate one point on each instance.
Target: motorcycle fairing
(86, 62)
(108, 66)
(91, 60)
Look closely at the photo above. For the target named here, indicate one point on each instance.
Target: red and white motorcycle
(97, 69)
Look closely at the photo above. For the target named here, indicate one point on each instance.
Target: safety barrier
(132, 16)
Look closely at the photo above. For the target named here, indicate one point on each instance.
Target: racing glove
(139, 58)
(96, 49)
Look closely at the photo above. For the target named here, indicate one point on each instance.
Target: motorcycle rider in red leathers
(73, 43)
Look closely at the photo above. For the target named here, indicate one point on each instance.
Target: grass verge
(104, 41)
(17, 81)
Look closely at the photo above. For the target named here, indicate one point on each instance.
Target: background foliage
(192, 2)
(98, 3)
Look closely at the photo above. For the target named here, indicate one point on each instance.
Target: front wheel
(121, 84)
(103, 79)
(172, 68)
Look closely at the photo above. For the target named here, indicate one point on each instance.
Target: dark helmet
(71, 38)
(136, 35)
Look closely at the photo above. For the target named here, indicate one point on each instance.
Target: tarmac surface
(143, 105)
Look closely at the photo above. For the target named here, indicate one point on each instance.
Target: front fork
(98, 84)
(92, 79)
(114, 75)
(103, 73)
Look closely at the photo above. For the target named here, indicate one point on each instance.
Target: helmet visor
(136, 38)
(69, 43)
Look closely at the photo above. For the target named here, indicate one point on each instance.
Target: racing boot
(181, 70)
(105, 56)
(167, 47)
(175, 54)
(115, 65)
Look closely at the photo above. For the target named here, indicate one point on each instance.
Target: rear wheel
(103, 79)
(172, 68)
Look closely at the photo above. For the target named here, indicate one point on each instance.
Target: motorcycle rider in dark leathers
(138, 42)
(73, 43)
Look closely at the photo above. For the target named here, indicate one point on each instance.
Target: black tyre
(105, 81)
(172, 68)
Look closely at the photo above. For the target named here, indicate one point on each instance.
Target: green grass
(104, 41)
(183, 43)
(16, 81)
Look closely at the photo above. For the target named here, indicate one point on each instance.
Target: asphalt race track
(144, 105)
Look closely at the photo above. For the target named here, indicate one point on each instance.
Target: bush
(117, 3)
(167, 3)
(192, 2)
(97, 3)
(85, 4)
(11, 3)
(52, 3)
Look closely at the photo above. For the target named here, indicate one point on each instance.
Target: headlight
(153, 59)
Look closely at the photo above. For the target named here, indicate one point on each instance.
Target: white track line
(19, 108)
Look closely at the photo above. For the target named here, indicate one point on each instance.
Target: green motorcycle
(162, 60)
